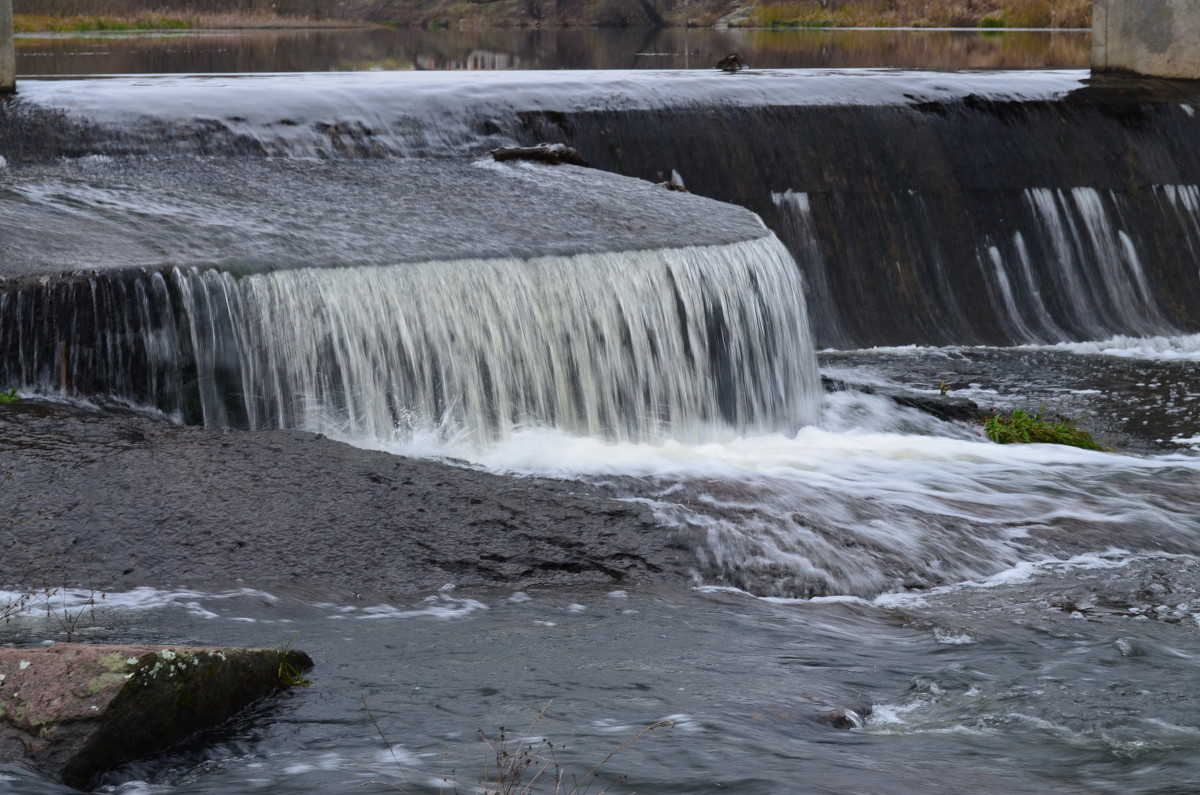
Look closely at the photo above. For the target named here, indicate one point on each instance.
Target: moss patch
(1021, 427)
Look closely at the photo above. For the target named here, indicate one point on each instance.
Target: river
(985, 618)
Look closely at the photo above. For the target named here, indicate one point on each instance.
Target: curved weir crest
(642, 345)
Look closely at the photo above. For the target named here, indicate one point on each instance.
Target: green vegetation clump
(32, 23)
(1020, 427)
(163, 23)
(10, 396)
(991, 21)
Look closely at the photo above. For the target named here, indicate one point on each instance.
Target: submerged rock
(944, 407)
(75, 710)
(845, 719)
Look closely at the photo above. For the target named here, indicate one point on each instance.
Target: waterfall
(1071, 269)
(640, 345)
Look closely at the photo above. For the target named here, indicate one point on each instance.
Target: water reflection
(354, 50)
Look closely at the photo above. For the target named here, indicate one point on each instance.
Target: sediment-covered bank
(115, 501)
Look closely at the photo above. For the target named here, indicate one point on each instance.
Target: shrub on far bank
(923, 13)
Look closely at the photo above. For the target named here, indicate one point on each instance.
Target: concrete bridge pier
(1160, 38)
(8, 52)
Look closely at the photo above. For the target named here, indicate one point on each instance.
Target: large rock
(76, 710)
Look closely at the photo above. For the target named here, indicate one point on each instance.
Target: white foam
(143, 598)
(847, 512)
(439, 606)
(198, 604)
(1175, 348)
(1022, 572)
(1181, 347)
(951, 638)
(944, 351)
(812, 453)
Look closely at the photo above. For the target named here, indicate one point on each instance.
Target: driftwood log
(554, 154)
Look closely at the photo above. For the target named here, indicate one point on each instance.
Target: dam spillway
(921, 207)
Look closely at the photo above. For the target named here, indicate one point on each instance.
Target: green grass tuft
(1021, 427)
(10, 396)
(33, 23)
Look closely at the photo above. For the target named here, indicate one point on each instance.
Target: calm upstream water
(999, 619)
(355, 50)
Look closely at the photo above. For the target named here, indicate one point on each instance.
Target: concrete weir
(1159, 38)
(481, 251)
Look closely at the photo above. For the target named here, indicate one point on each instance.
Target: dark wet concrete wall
(907, 202)
(88, 335)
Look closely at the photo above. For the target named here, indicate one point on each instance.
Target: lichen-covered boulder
(75, 710)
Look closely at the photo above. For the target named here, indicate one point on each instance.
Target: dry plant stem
(391, 750)
(522, 771)
(25, 596)
(595, 771)
(510, 767)
(71, 622)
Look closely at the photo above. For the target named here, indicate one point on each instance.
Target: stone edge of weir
(72, 711)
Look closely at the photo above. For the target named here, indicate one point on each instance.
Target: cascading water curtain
(685, 343)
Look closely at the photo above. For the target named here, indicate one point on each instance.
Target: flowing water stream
(992, 618)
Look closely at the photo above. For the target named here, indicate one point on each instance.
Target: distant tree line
(313, 9)
(325, 9)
